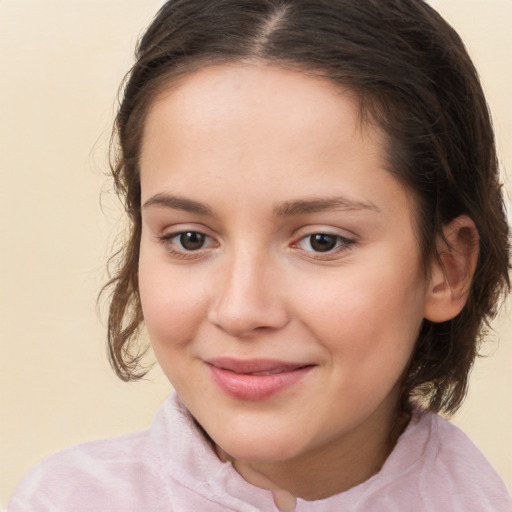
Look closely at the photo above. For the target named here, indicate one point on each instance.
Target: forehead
(266, 108)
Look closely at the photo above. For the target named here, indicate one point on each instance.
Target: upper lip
(255, 365)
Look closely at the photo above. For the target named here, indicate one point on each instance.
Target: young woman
(317, 239)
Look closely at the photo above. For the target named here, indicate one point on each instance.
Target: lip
(255, 379)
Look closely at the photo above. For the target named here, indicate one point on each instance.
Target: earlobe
(452, 273)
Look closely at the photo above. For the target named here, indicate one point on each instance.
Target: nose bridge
(247, 296)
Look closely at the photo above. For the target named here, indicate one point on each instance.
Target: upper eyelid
(324, 229)
(174, 234)
(334, 254)
(347, 240)
(171, 230)
(297, 235)
(184, 227)
(181, 253)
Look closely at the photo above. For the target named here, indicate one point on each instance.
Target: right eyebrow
(179, 203)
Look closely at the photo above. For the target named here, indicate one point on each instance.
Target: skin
(258, 159)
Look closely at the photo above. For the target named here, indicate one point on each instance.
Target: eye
(190, 240)
(185, 243)
(323, 242)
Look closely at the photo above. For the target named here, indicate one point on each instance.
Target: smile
(255, 379)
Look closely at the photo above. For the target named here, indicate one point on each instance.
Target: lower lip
(255, 387)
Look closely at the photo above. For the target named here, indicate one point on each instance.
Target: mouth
(255, 379)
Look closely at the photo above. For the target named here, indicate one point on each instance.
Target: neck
(335, 467)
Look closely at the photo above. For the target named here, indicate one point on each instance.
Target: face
(280, 275)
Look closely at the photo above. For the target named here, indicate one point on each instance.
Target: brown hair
(413, 77)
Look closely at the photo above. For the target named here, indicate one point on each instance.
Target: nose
(248, 296)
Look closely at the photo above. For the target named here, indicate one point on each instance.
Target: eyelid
(170, 230)
(166, 237)
(323, 229)
(347, 242)
(170, 236)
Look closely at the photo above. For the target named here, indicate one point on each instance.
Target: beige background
(60, 65)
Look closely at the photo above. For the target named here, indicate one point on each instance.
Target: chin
(260, 447)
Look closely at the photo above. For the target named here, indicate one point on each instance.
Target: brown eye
(192, 240)
(188, 245)
(328, 244)
(322, 242)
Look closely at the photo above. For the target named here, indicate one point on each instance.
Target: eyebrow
(285, 209)
(179, 203)
(314, 205)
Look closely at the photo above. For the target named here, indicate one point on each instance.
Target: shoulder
(107, 474)
(169, 466)
(436, 467)
(454, 472)
(454, 450)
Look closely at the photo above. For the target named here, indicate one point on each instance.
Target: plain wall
(61, 62)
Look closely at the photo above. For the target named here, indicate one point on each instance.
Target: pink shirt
(170, 467)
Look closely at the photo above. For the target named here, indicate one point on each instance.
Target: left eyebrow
(314, 205)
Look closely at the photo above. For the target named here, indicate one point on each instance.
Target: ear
(452, 273)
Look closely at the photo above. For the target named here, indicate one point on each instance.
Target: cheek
(368, 313)
(172, 305)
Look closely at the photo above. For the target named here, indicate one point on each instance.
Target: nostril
(248, 323)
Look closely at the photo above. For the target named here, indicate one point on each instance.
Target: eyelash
(342, 244)
(167, 241)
